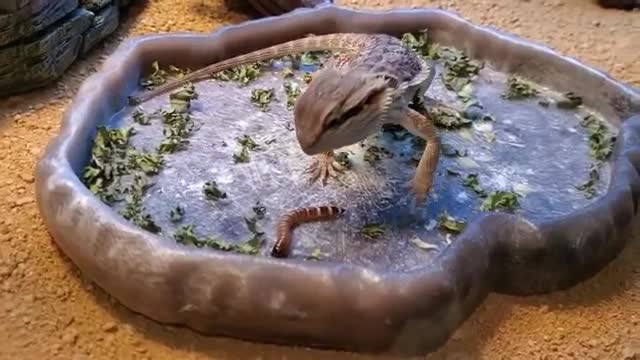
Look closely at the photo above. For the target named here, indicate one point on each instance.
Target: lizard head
(340, 108)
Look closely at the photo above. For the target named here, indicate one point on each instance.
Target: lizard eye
(338, 121)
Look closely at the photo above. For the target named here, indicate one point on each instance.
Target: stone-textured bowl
(322, 304)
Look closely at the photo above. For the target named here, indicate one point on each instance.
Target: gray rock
(28, 20)
(37, 62)
(12, 5)
(105, 22)
(123, 3)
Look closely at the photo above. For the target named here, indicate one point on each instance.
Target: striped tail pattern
(296, 217)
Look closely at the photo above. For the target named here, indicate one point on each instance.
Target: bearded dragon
(370, 82)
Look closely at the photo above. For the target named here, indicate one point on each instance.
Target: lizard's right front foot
(324, 166)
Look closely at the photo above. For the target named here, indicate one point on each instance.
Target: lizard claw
(323, 168)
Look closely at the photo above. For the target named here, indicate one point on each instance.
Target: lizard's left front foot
(324, 167)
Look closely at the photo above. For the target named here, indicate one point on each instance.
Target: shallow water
(540, 152)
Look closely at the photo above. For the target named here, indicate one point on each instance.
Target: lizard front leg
(324, 166)
(421, 126)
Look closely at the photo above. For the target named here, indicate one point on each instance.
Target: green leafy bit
(186, 235)
(242, 156)
(372, 231)
(292, 90)
(252, 246)
(157, 77)
(569, 101)
(471, 181)
(243, 74)
(419, 43)
(316, 254)
(176, 214)
(343, 159)
(259, 210)
(177, 72)
(140, 117)
(374, 154)
(149, 163)
(287, 72)
(247, 144)
(505, 200)
(307, 77)
(519, 88)
(459, 71)
(416, 41)
(261, 98)
(108, 161)
(173, 141)
(448, 118)
(448, 223)
(212, 192)
(589, 186)
(313, 57)
(181, 100)
(134, 211)
(601, 141)
(178, 123)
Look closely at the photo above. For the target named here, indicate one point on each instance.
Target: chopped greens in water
(519, 88)
(261, 98)
(419, 43)
(375, 153)
(500, 200)
(212, 192)
(242, 74)
(569, 101)
(372, 231)
(292, 90)
(601, 141)
(247, 144)
(343, 159)
(459, 72)
(589, 186)
(159, 76)
(472, 182)
(176, 214)
(140, 117)
(186, 236)
(448, 118)
(449, 223)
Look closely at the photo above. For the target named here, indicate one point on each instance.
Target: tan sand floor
(49, 311)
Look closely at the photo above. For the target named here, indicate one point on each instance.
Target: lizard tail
(337, 42)
(294, 218)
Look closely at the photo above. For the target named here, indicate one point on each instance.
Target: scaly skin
(370, 82)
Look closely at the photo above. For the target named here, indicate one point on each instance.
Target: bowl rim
(322, 304)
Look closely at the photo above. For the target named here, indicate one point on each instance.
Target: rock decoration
(39, 40)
